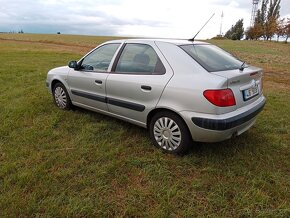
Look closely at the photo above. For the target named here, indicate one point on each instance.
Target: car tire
(169, 132)
(61, 97)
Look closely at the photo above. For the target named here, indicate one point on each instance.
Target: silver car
(182, 91)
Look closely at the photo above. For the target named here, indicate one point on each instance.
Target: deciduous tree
(281, 28)
(287, 30)
(255, 32)
(236, 32)
(266, 21)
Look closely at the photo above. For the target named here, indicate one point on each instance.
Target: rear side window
(139, 59)
(212, 58)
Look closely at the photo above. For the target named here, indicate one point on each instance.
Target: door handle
(98, 82)
(147, 88)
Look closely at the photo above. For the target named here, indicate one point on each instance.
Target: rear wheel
(169, 132)
(61, 97)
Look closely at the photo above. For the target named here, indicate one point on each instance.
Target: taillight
(220, 97)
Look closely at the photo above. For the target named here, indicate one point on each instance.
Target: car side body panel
(88, 88)
(185, 89)
(57, 74)
(135, 95)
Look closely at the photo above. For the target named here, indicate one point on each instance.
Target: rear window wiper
(242, 67)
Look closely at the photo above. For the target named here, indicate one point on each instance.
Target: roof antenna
(192, 40)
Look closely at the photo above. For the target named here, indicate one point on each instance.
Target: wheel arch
(57, 80)
(157, 110)
(185, 139)
(53, 82)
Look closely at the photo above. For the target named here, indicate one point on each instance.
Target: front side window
(212, 58)
(100, 59)
(139, 59)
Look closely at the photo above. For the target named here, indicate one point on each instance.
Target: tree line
(267, 24)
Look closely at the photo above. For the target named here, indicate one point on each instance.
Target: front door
(88, 83)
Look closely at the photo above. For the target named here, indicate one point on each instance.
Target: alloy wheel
(167, 133)
(60, 97)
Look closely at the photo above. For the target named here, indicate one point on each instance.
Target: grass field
(83, 164)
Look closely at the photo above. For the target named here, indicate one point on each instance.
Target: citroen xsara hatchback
(182, 91)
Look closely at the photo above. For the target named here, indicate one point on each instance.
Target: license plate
(251, 92)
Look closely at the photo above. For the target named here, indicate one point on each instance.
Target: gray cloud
(66, 16)
(95, 17)
(237, 3)
(285, 9)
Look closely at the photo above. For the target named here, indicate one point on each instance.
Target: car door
(138, 77)
(88, 82)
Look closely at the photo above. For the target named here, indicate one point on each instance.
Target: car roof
(171, 41)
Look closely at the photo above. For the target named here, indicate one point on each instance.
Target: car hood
(60, 71)
(63, 69)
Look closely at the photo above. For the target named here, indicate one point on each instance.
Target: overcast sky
(148, 18)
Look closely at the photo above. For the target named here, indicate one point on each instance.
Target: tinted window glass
(212, 58)
(140, 59)
(99, 60)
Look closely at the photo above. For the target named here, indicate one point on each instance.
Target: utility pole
(254, 12)
(222, 16)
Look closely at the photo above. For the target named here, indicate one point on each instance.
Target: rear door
(88, 84)
(137, 80)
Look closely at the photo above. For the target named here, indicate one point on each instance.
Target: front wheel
(169, 132)
(61, 97)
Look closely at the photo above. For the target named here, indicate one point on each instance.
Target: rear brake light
(253, 74)
(221, 97)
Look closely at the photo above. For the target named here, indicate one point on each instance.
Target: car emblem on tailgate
(254, 83)
(234, 82)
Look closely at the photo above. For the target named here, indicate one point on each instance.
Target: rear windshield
(212, 58)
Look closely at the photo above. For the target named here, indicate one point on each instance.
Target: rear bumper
(228, 123)
(214, 128)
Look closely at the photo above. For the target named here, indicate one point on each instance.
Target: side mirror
(73, 64)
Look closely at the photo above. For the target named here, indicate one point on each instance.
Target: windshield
(212, 58)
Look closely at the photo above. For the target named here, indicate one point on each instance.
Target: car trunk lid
(246, 84)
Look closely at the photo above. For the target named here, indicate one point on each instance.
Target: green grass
(79, 163)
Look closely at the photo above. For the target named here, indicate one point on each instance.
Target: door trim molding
(112, 101)
(90, 96)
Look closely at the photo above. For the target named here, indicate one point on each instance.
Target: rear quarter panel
(184, 92)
